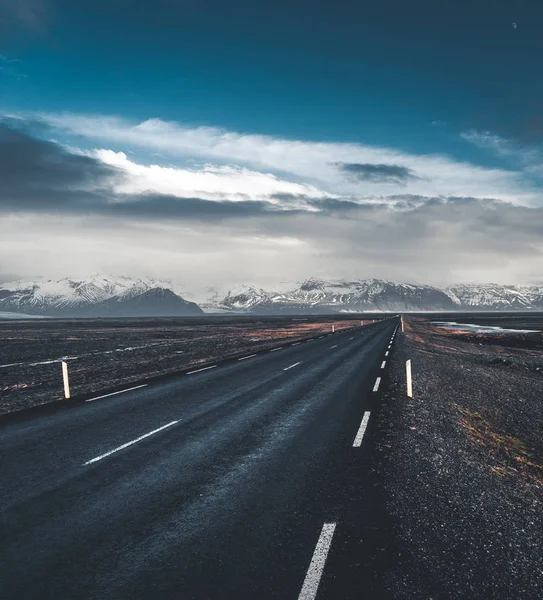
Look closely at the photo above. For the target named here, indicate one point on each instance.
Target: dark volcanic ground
(104, 353)
(460, 466)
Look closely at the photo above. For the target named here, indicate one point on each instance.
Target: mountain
(101, 296)
(319, 296)
(497, 297)
(96, 296)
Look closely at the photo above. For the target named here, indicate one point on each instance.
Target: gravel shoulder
(461, 465)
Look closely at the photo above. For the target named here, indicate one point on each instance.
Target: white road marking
(136, 387)
(202, 369)
(361, 430)
(294, 365)
(377, 382)
(296, 343)
(383, 364)
(386, 353)
(246, 357)
(352, 338)
(316, 567)
(333, 346)
(275, 349)
(142, 437)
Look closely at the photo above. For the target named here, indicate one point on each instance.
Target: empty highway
(239, 480)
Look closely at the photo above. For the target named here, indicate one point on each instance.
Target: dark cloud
(323, 203)
(36, 173)
(378, 173)
(39, 175)
(160, 206)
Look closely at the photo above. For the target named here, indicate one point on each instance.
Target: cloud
(37, 173)
(525, 156)
(40, 175)
(378, 173)
(433, 242)
(210, 181)
(249, 225)
(489, 141)
(311, 163)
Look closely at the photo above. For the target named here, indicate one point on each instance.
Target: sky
(241, 142)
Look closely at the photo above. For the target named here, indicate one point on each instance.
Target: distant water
(12, 315)
(480, 328)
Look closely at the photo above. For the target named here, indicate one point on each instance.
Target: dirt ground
(102, 354)
(461, 464)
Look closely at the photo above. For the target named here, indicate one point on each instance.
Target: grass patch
(510, 455)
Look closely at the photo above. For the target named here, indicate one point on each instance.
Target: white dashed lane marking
(314, 573)
(361, 430)
(377, 382)
(292, 366)
(142, 437)
(202, 369)
(136, 387)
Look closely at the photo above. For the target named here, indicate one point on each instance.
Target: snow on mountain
(317, 295)
(97, 295)
(101, 295)
(494, 296)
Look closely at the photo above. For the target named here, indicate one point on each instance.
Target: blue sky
(369, 72)
(429, 99)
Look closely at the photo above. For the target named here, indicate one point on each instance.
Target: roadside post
(409, 380)
(66, 380)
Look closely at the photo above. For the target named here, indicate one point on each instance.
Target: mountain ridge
(105, 296)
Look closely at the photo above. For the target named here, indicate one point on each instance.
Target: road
(246, 480)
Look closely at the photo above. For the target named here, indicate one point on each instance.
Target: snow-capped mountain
(104, 296)
(97, 296)
(319, 296)
(497, 297)
(315, 295)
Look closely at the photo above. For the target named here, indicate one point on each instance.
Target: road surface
(245, 480)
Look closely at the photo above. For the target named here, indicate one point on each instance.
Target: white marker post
(401, 321)
(66, 380)
(409, 380)
(333, 328)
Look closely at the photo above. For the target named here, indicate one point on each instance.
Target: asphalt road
(246, 480)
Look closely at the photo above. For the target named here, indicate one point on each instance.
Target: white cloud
(310, 163)
(526, 157)
(211, 182)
